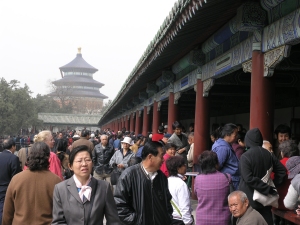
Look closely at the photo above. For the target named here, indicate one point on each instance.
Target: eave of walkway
(69, 119)
(180, 33)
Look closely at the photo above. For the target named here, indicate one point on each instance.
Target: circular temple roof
(78, 80)
(78, 64)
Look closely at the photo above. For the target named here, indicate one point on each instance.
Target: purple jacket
(212, 191)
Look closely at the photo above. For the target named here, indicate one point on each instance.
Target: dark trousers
(266, 214)
(177, 222)
(1, 209)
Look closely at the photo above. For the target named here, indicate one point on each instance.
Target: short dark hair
(61, 145)
(228, 129)
(169, 145)
(76, 150)
(161, 129)
(173, 163)
(208, 161)
(282, 128)
(85, 133)
(151, 147)
(216, 133)
(38, 158)
(8, 143)
(240, 136)
(176, 124)
(288, 148)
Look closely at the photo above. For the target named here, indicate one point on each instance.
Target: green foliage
(16, 106)
(19, 110)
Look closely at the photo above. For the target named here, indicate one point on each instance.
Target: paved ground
(193, 203)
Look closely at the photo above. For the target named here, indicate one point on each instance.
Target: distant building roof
(69, 119)
(79, 64)
(83, 93)
(78, 79)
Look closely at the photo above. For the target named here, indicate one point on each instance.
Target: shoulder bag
(267, 200)
(231, 188)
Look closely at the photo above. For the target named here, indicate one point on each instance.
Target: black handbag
(231, 188)
(114, 176)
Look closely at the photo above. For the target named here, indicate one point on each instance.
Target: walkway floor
(193, 203)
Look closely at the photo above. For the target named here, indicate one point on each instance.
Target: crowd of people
(81, 177)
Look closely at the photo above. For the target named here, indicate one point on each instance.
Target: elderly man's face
(268, 146)
(104, 140)
(237, 207)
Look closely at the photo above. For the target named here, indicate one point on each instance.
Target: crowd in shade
(120, 177)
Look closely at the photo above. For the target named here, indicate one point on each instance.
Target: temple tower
(78, 86)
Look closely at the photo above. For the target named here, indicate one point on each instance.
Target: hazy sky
(37, 37)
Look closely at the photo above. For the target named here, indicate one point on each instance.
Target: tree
(63, 96)
(16, 107)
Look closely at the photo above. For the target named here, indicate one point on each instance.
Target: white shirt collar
(151, 175)
(8, 150)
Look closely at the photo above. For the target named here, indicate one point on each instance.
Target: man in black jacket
(101, 156)
(254, 164)
(142, 195)
(9, 166)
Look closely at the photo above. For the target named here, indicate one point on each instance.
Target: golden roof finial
(79, 50)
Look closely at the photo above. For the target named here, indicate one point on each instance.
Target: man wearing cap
(166, 138)
(121, 157)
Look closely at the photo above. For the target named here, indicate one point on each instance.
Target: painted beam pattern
(228, 44)
(285, 31)
(187, 81)
(282, 9)
(230, 61)
(250, 17)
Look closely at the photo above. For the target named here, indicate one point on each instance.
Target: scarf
(85, 190)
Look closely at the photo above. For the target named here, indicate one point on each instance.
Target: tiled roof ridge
(182, 11)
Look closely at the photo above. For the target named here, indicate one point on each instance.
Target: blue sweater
(228, 161)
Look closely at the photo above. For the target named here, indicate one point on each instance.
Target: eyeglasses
(87, 161)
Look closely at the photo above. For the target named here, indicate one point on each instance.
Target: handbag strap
(229, 181)
(92, 202)
(176, 207)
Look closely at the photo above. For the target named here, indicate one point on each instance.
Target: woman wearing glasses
(82, 199)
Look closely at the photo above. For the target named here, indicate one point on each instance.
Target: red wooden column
(145, 122)
(156, 117)
(123, 122)
(261, 100)
(137, 123)
(131, 127)
(172, 112)
(201, 128)
(127, 118)
(119, 124)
